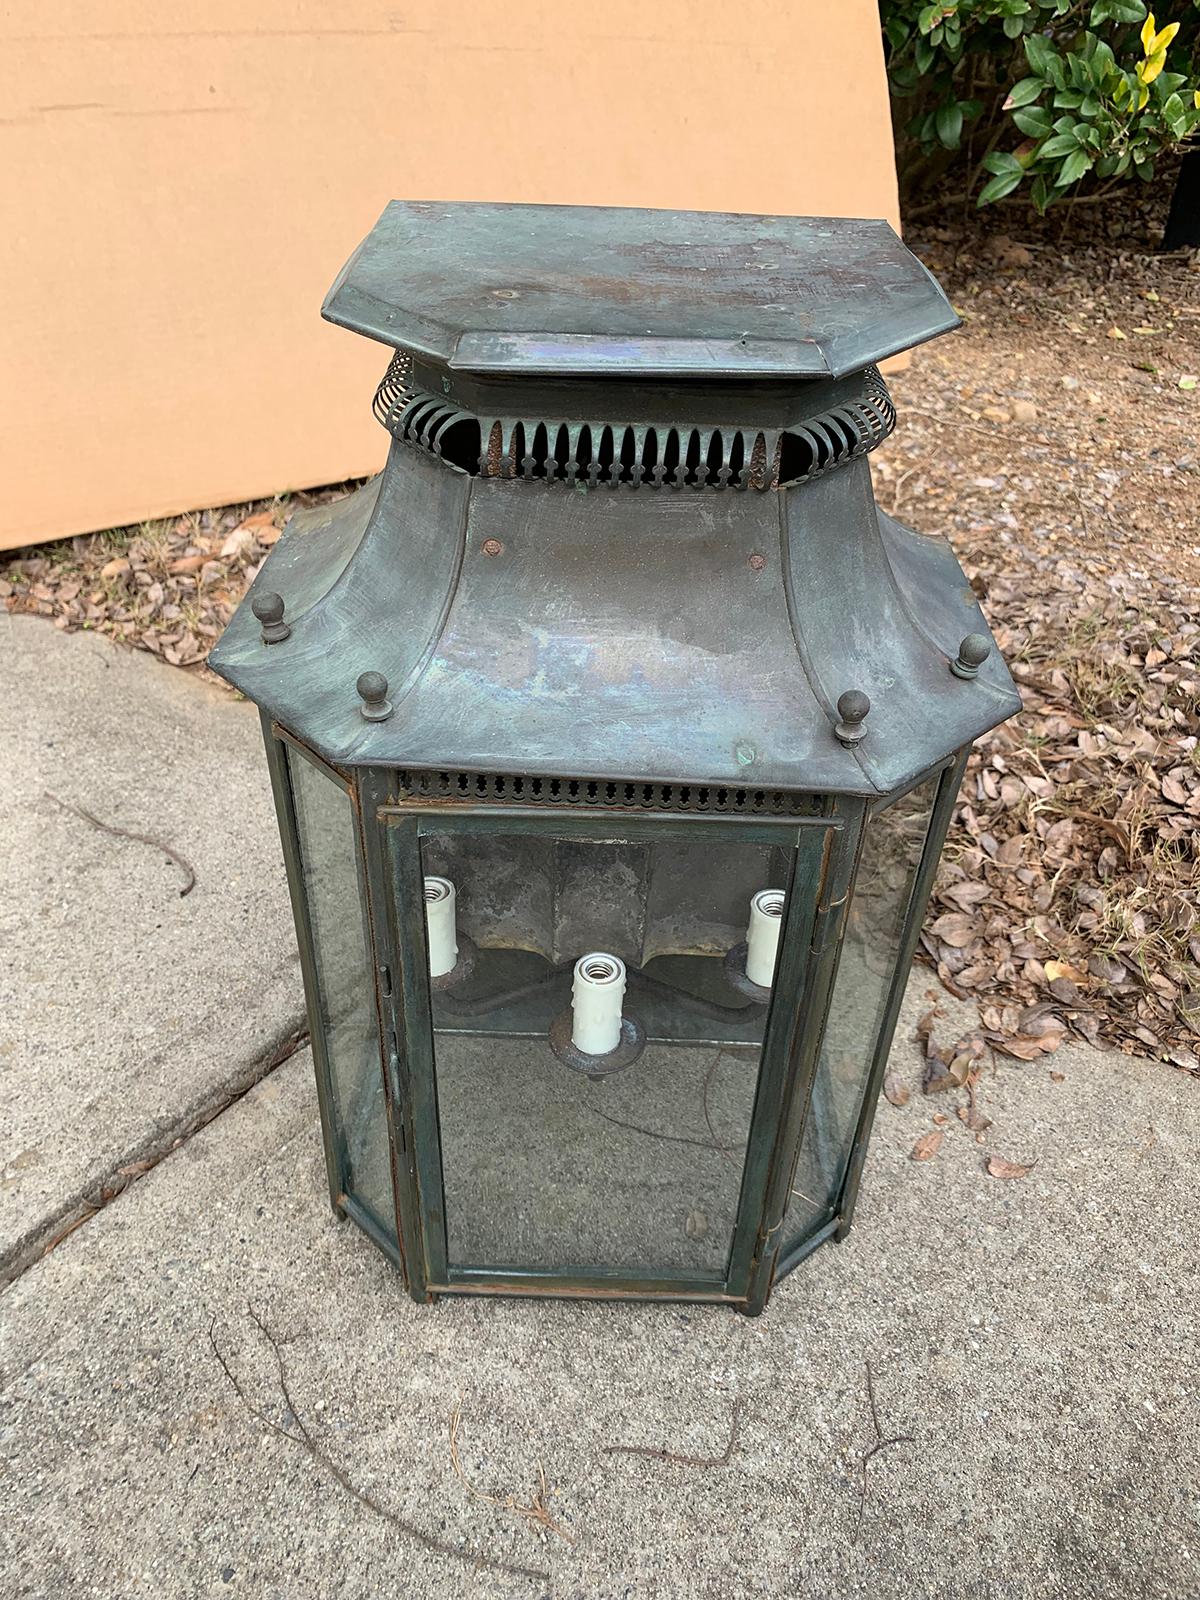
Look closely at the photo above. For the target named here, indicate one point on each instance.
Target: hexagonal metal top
(607, 291)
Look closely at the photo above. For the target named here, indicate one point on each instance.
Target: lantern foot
(468, 955)
(735, 975)
(628, 1048)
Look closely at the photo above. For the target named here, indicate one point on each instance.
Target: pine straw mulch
(168, 587)
(1054, 440)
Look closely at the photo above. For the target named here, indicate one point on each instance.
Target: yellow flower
(1153, 41)
(1150, 69)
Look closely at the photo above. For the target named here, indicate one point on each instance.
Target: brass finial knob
(852, 708)
(972, 653)
(372, 688)
(268, 608)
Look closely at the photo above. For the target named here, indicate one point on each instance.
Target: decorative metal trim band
(519, 789)
(394, 393)
(630, 454)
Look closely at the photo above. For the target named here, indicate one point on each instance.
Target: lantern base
(628, 1048)
(735, 975)
(468, 955)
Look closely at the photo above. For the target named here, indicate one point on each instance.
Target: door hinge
(825, 927)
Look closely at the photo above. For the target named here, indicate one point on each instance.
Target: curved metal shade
(530, 627)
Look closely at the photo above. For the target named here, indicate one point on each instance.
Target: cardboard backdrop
(181, 184)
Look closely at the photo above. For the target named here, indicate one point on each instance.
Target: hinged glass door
(552, 1170)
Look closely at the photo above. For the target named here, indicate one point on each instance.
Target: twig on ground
(1083, 515)
(898, 490)
(304, 1438)
(537, 1511)
(708, 1078)
(667, 1138)
(189, 872)
(951, 421)
(651, 1453)
(880, 1444)
(678, 1138)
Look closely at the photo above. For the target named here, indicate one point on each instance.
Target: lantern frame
(387, 834)
(621, 586)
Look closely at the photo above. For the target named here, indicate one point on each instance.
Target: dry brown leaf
(955, 928)
(998, 1167)
(1063, 969)
(1024, 1047)
(974, 1118)
(896, 1090)
(239, 543)
(928, 1145)
(925, 1023)
(966, 894)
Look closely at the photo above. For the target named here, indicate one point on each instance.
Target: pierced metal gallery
(614, 733)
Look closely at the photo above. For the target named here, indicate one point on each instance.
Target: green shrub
(1045, 92)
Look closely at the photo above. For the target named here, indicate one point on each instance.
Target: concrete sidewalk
(1036, 1337)
(127, 1011)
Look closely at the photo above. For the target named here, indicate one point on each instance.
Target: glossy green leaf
(1060, 144)
(1073, 168)
(996, 188)
(1023, 93)
(1038, 52)
(949, 125)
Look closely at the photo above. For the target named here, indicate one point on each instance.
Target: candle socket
(592, 1035)
(762, 936)
(441, 926)
(597, 991)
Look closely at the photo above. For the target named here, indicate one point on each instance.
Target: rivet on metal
(972, 653)
(373, 688)
(492, 547)
(268, 608)
(852, 708)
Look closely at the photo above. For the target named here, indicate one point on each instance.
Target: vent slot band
(629, 454)
(519, 789)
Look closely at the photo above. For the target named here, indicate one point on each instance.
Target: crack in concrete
(50, 1231)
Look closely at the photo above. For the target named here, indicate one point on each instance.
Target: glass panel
(891, 854)
(547, 1168)
(329, 852)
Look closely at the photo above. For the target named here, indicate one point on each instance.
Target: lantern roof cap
(605, 291)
